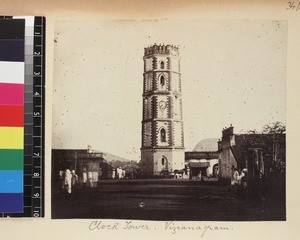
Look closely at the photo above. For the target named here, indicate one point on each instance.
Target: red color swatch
(12, 116)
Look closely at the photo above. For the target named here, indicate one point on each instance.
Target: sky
(232, 71)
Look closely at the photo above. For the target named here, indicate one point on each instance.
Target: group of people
(238, 176)
(239, 179)
(118, 173)
(69, 180)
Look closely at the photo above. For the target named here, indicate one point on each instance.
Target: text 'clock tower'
(162, 148)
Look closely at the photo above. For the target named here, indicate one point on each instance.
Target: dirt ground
(163, 200)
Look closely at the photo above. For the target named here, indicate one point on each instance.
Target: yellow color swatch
(11, 137)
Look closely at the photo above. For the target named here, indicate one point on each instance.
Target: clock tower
(162, 148)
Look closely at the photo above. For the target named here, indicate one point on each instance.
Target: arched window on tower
(163, 161)
(162, 65)
(163, 135)
(162, 80)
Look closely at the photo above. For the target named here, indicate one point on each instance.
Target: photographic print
(169, 120)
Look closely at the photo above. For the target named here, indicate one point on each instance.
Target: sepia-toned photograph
(169, 120)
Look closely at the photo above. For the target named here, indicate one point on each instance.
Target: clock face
(162, 104)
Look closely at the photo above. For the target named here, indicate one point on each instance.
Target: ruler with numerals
(34, 118)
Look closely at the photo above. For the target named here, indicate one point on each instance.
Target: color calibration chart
(22, 81)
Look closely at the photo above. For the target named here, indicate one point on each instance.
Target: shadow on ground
(163, 200)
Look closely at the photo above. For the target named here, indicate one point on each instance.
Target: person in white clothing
(90, 179)
(239, 178)
(68, 181)
(235, 177)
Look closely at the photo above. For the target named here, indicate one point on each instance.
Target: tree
(277, 165)
(275, 128)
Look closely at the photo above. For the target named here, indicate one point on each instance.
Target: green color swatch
(11, 159)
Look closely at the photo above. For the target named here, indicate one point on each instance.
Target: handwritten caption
(169, 226)
(293, 6)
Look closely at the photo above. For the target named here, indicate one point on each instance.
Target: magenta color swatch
(11, 94)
